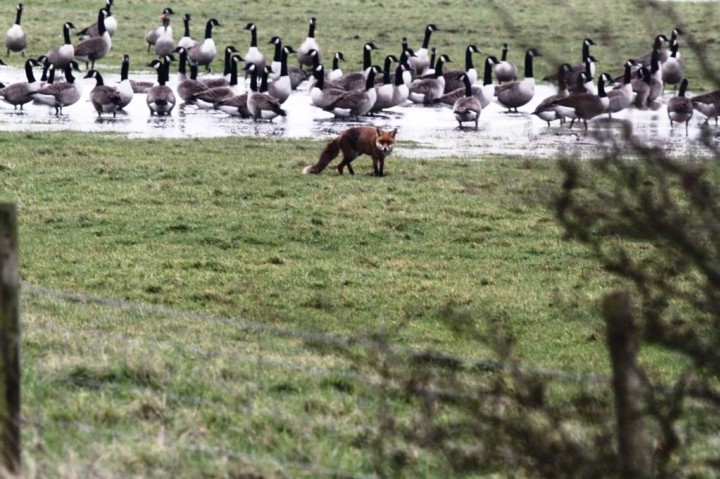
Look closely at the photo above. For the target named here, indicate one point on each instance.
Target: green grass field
(251, 260)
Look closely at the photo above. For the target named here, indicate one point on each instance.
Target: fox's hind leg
(348, 156)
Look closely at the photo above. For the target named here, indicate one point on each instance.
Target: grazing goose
(165, 44)
(281, 88)
(322, 95)
(356, 80)
(92, 49)
(708, 104)
(124, 87)
(571, 76)
(515, 94)
(385, 90)
(505, 71)
(585, 106)
(208, 98)
(204, 53)
(452, 77)
(672, 69)
(680, 108)
(336, 72)
(187, 42)
(356, 103)
(254, 55)
(15, 38)
(19, 93)
(60, 56)
(161, 99)
(262, 106)
(60, 95)
(468, 107)
(104, 98)
(547, 110)
(427, 90)
(110, 24)
(621, 98)
(303, 52)
(152, 35)
(421, 61)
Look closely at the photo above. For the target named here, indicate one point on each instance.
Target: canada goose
(161, 99)
(429, 72)
(584, 83)
(708, 104)
(94, 48)
(165, 44)
(110, 24)
(254, 55)
(187, 41)
(188, 87)
(671, 41)
(405, 60)
(427, 90)
(547, 110)
(515, 94)
(468, 107)
(15, 38)
(641, 88)
(621, 98)
(235, 106)
(571, 76)
(322, 95)
(452, 77)
(400, 88)
(505, 71)
(356, 80)
(488, 89)
(680, 108)
(356, 103)
(124, 87)
(656, 83)
(19, 93)
(60, 95)
(658, 44)
(421, 61)
(296, 75)
(262, 106)
(208, 98)
(672, 69)
(281, 88)
(152, 35)
(204, 53)
(585, 106)
(385, 90)
(104, 98)
(60, 56)
(303, 52)
(336, 71)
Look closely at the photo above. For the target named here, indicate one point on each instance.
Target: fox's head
(385, 141)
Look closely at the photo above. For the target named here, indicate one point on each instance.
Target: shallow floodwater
(433, 131)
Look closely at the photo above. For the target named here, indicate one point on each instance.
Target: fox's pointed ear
(394, 132)
(378, 131)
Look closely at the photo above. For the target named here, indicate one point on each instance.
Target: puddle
(433, 129)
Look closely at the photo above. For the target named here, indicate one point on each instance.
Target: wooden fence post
(10, 463)
(622, 340)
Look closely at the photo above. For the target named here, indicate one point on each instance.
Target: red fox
(354, 142)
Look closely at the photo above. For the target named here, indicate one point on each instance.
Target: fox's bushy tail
(330, 151)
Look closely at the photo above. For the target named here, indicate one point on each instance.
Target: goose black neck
(182, 63)
(439, 67)
(108, 7)
(253, 80)
(29, 71)
(367, 59)
(370, 81)
(562, 82)
(124, 70)
(468, 87)
(101, 23)
(68, 74)
(585, 51)
(487, 77)
(66, 35)
(51, 74)
(186, 22)
(336, 62)
(193, 71)
(504, 54)
(528, 65)
(253, 37)
(655, 61)
(233, 72)
(386, 71)
(208, 29)
(227, 69)
(44, 76)
(311, 30)
(399, 76)
(264, 82)
(627, 76)
(277, 56)
(468, 60)
(18, 16)
(99, 79)
(283, 64)
(683, 88)
(601, 87)
(426, 39)
(319, 75)
(674, 49)
(658, 43)
(588, 68)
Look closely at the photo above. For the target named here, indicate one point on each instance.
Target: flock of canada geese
(413, 76)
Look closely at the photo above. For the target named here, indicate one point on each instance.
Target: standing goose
(296, 75)
(60, 95)
(656, 83)
(336, 71)
(584, 83)
(680, 108)
(281, 88)
(104, 98)
(547, 110)
(356, 80)
(124, 87)
(385, 90)
(152, 35)
(452, 77)
(421, 61)
(515, 94)
(658, 44)
(505, 71)
(356, 103)
(165, 44)
(110, 24)
(208, 98)
(322, 95)
(94, 48)
(204, 53)
(161, 99)
(234, 106)
(303, 53)
(15, 38)
(571, 76)
(262, 106)
(19, 93)
(672, 69)
(188, 88)
(468, 107)
(641, 88)
(484, 93)
(585, 106)
(254, 55)
(708, 104)
(187, 42)
(428, 90)
(60, 56)
(621, 98)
